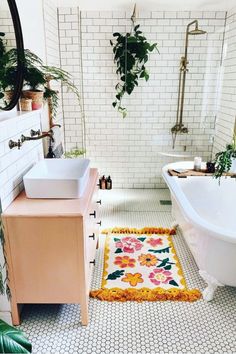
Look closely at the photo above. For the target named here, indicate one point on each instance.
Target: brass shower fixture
(179, 126)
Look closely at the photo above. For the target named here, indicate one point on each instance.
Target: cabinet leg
(15, 314)
(84, 313)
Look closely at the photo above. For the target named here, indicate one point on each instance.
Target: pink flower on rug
(129, 244)
(155, 241)
(160, 276)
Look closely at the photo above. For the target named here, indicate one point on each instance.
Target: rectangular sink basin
(57, 178)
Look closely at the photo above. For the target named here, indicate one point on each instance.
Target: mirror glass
(11, 49)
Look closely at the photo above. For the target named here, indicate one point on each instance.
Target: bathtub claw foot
(212, 285)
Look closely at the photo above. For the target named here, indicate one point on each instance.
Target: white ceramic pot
(233, 166)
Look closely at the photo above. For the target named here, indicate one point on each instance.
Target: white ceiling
(158, 5)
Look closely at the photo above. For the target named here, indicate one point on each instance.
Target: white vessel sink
(57, 178)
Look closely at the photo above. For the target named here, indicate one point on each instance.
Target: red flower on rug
(160, 276)
(129, 244)
(125, 261)
(155, 241)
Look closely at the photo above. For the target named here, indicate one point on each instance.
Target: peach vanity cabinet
(50, 249)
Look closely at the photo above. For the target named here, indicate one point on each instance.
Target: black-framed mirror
(11, 55)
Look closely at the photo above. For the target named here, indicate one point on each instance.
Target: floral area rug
(142, 265)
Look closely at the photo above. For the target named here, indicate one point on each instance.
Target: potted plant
(131, 52)
(225, 161)
(36, 78)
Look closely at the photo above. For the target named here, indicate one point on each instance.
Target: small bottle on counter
(109, 183)
(103, 183)
(197, 163)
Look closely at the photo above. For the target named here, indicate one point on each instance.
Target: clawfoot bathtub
(205, 212)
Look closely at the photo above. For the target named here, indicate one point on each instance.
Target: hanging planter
(131, 52)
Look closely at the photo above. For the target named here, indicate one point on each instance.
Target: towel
(57, 146)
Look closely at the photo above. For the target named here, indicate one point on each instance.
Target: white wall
(128, 148)
(32, 22)
(156, 5)
(52, 50)
(226, 117)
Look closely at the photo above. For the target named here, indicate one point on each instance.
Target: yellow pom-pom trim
(145, 294)
(144, 230)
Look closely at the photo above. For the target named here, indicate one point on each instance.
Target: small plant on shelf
(225, 161)
(36, 77)
(74, 153)
(131, 52)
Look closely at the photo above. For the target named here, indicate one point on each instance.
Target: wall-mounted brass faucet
(37, 137)
(179, 126)
(34, 135)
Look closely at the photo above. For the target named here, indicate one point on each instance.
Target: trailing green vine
(131, 52)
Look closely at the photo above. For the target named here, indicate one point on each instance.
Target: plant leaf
(172, 282)
(115, 275)
(13, 340)
(142, 238)
(119, 250)
(163, 250)
(168, 267)
(116, 239)
(163, 263)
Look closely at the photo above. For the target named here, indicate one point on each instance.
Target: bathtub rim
(186, 206)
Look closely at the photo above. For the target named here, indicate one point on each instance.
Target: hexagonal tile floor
(130, 328)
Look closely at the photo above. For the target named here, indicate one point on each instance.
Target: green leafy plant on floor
(131, 53)
(2, 287)
(223, 159)
(13, 340)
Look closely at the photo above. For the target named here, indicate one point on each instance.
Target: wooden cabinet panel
(49, 250)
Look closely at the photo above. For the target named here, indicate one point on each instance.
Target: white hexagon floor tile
(133, 328)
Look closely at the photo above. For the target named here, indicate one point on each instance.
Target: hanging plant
(131, 52)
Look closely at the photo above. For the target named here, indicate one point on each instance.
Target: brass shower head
(196, 30)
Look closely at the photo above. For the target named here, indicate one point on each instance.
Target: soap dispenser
(103, 183)
(109, 183)
(50, 154)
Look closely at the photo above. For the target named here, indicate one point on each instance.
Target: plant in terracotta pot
(225, 161)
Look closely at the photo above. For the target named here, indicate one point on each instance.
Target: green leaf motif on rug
(119, 250)
(115, 275)
(116, 239)
(168, 267)
(172, 282)
(141, 239)
(163, 250)
(163, 263)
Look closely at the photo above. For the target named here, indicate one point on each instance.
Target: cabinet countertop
(23, 206)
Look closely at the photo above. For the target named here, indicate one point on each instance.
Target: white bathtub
(206, 213)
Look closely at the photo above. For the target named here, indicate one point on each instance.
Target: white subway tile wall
(13, 165)
(128, 148)
(6, 26)
(53, 51)
(226, 117)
